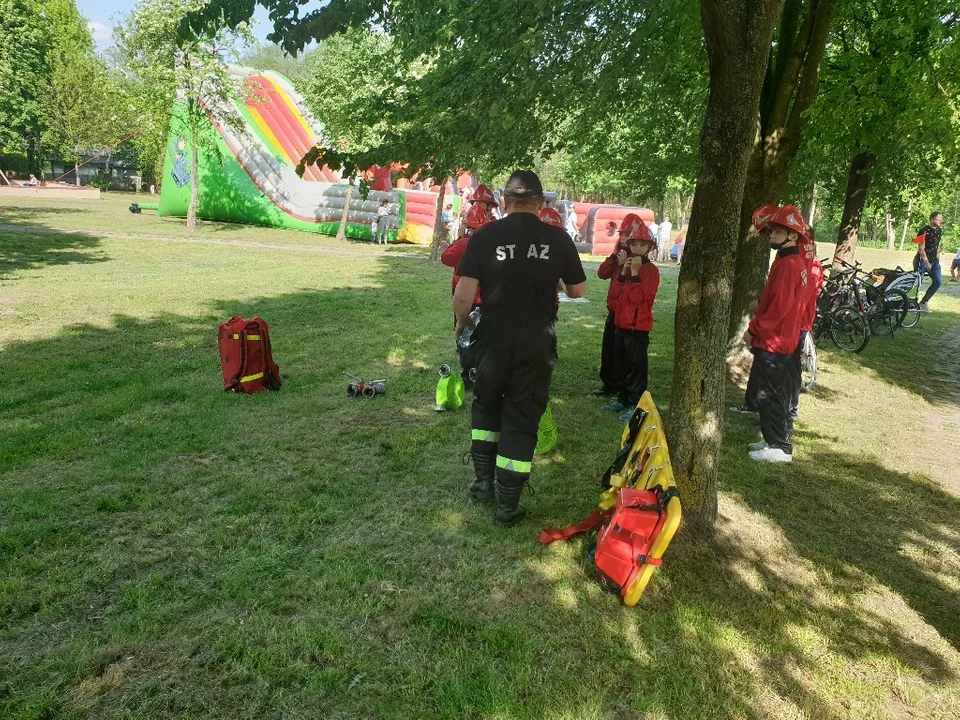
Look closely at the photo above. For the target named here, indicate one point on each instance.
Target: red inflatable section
(421, 207)
(603, 223)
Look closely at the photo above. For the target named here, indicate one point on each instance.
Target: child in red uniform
(610, 270)
(639, 281)
(477, 217)
(814, 270)
(774, 332)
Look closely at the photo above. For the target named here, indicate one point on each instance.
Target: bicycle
(910, 282)
(808, 363)
(885, 308)
(846, 325)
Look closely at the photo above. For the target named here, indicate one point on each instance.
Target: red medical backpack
(245, 356)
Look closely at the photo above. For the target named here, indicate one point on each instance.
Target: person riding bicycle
(774, 332)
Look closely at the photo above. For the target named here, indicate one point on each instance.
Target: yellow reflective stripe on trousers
(248, 378)
(484, 435)
(236, 336)
(518, 466)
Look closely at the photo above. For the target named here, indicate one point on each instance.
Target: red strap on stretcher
(597, 517)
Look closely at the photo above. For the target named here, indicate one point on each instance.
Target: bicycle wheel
(887, 314)
(912, 316)
(808, 364)
(849, 329)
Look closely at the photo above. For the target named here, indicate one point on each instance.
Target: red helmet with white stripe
(635, 228)
(762, 215)
(476, 217)
(788, 217)
(483, 194)
(551, 217)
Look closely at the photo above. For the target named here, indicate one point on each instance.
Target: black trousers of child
(794, 380)
(773, 400)
(608, 355)
(631, 353)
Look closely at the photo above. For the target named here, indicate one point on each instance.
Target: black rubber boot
(485, 466)
(509, 487)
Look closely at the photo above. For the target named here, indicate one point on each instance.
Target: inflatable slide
(246, 169)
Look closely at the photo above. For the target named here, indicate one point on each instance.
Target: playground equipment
(260, 139)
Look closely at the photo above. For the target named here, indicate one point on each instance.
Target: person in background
(774, 332)
(571, 226)
(761, 216)
(814, 270)
(32, 182)
(928, 257)
(639, 281)
(383, 222)
(955, 268)
(610, 269)
(663, 238)
(484, 197)
(476, 218)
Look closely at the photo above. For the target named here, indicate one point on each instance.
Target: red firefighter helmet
(635, 228)
(483, 194)
(788, 217)
(476, 217)
(762, 215)
(551, 217)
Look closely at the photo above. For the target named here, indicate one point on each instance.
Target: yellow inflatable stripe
(293, 109)
(261, 123)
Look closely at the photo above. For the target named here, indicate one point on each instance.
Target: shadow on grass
(24, 250)
(169, 550)
(895, 358)
(17, 215)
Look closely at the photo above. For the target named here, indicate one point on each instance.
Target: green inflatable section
(226, 191)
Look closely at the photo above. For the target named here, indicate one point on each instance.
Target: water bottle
(466, 337)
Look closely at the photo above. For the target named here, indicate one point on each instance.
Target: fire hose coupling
(445, 370)
(366, 389)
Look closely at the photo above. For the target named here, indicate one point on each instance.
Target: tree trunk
(194, 184)
(342, 230)
(789, 90)
(738, 34)
(810, 207)
(906, 223)
(891, 233)
(76, 172)
(440, 235)
(106, 169)
(857, 183)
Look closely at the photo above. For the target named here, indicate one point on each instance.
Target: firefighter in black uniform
(517, 262)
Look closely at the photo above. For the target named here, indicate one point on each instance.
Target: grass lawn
(171, 551)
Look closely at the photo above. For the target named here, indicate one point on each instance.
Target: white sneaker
(771, 455)
(743, 410)
(759, 445)
(924, 307)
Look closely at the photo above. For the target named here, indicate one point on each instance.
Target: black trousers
(518, 353)
(750, 397)
(631, 354)
(608, 356)
(794, 379)
(773, 400)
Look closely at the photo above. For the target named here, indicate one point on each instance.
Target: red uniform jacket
(635, 303)
(814, 268)
(609, 270)
(776, 327)
(451, 257)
